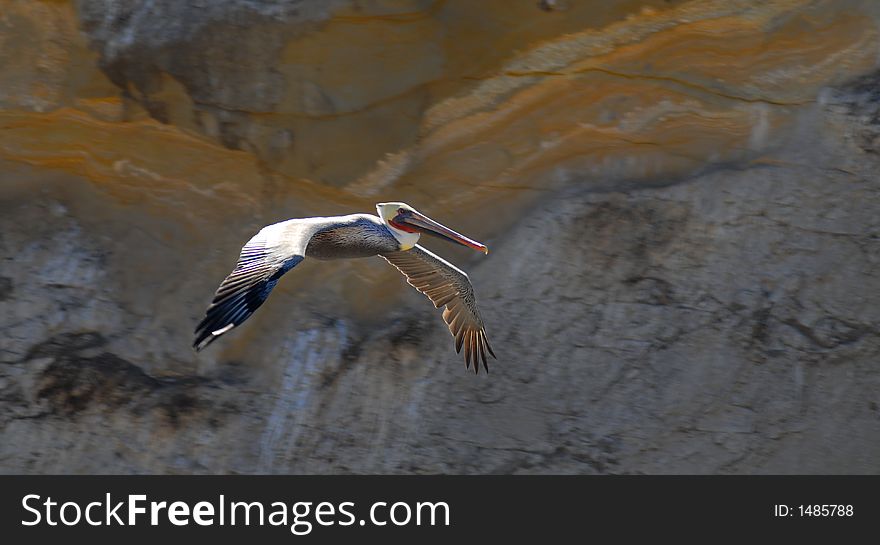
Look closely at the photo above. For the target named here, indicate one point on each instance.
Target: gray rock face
(722, 321)
(140, 43)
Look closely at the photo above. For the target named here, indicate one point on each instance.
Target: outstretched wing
(269, 254)
(445, 284)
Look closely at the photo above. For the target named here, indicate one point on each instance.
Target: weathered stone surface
(681, 200)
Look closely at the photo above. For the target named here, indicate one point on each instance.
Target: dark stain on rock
(829, 332)
(408, 331)
(5, 288)
(350, 356)
(628, 231)
(78, 379)
(66, 344)
(861, 98)
(232, 373)
(71, 384)
(651, 290)
(177, 405)
(761, 324)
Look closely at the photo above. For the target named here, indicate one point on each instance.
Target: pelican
(392, 235)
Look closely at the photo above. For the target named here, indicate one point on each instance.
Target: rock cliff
(681, 199)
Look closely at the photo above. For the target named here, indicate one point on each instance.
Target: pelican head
(407, 224)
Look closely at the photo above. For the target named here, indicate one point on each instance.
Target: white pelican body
(393, 235)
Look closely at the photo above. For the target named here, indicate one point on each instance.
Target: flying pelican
(392, 235)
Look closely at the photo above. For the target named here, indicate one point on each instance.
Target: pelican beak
(426, 225)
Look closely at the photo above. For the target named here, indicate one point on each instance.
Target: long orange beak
(424, 224)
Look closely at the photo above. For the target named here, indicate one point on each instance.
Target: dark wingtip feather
(243, 291)
(475, 356)
(483, 352)
(221, 318)
(201, 334)
(489, 346)
(203, 340)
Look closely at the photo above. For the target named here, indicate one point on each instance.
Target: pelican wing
(269, 254)
(445, 284)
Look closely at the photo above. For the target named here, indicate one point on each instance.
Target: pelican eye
(402, 211)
